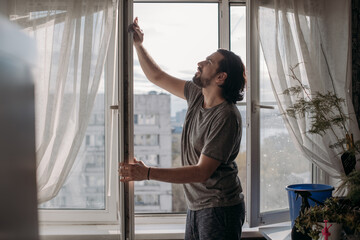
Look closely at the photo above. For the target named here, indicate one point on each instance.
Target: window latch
(256, 106)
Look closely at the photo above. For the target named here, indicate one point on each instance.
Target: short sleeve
(191, 91)
(223, 138)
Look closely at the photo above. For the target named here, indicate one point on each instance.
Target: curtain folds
(72, 40)
(316, 36)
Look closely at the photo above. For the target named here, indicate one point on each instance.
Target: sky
(179, 35)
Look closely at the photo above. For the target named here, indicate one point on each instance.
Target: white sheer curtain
(72, 39)
(316, 35)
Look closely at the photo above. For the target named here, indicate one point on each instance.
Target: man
(210, 143)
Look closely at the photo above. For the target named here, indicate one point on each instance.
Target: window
(270, 150)
(278, 154)
(274, 174)
(74, 193)
(174, 42)
(178, 36)
(86, 195)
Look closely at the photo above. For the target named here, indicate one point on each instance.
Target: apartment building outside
(85, 186)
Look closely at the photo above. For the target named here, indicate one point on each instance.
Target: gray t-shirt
(216, 133)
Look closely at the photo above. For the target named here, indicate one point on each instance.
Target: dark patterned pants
(219, 223)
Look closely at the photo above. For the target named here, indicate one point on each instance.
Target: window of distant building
(145, 119)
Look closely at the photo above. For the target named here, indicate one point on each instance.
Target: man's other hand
(136, 171)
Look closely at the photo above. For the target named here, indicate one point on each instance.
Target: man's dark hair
(233, 87)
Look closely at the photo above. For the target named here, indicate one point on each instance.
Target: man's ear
(221, 78)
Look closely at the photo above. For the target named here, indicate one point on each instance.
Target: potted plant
(311, 221)
(344, 211)
(327, 117)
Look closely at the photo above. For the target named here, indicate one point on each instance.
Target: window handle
(114, 107)
(256, 107)
(264, 106)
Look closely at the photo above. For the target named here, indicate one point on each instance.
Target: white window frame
(254, 216)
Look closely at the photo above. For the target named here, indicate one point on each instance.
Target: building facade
(152, 145)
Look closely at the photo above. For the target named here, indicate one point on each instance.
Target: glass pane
(178, 36)
(238, 31)
(238, 46)
(85, 185)
(281, 163)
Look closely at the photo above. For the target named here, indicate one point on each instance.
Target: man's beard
(201, 82)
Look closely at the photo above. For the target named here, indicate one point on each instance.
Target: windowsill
(148, 231)
(280, 231)
(89, 232)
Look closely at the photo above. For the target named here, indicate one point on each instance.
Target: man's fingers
(126, 179)
(139, 31)
(141, 163)
(131, 171)
(122, 165)
(136, 20)
(131, 28)
(124, 169)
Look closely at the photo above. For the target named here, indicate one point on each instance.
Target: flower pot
(335, 231)
(318, 192)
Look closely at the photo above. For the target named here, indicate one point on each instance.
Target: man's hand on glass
(138, 34)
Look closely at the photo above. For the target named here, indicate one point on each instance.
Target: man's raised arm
(152, 71)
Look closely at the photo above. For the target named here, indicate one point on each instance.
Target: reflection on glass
(281, 163)
(178, 36)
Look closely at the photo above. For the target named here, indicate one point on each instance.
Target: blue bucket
(319, 192)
